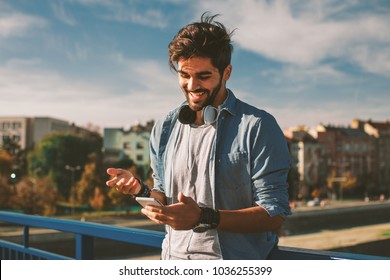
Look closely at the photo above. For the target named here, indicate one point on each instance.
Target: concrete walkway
(329, 239)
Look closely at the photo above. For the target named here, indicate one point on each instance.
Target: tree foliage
(6, 193)
(58, 150)
(35, 196)
(5, 164)
(91, 188)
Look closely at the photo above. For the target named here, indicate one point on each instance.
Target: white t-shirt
(191, 177)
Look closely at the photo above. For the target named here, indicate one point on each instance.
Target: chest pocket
(233, 171)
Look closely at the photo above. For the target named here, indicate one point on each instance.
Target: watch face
(201, 228)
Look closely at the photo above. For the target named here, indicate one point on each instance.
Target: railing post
(84, 247)
(26, 236)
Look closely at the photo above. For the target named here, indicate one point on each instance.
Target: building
(43, 126)
(133, 144)
(380, 132)
(24, 132)
(17, 132)
(307, 156)
(349, 152)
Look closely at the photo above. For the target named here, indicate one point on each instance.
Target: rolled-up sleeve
(270, 167)
(154, 146)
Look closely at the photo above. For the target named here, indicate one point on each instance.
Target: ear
(227, 72)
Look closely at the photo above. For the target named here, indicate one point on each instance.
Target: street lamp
(72, 169)
(13, 180)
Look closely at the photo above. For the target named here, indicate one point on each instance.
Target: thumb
(182, 198)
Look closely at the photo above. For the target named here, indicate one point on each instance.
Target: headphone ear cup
(186, 115)
(209, 115)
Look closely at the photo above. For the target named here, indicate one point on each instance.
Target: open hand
(123, 180)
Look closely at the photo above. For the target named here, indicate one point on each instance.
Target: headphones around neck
(188, 116)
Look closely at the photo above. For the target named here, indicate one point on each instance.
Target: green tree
(58, 150)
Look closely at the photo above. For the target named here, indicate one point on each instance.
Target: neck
(220, 97)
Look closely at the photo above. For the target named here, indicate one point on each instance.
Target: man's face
(201, 82)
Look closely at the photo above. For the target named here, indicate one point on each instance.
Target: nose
(192, 84)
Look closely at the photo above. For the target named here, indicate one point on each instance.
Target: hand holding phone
(143, 201)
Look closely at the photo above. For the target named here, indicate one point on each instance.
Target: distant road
(336, 215)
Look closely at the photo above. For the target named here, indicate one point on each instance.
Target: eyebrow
(201, 73)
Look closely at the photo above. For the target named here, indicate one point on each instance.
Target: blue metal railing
(85, 232)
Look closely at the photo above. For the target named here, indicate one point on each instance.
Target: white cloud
(151, 17)
(17, 24)
(372, 59)
(27, 80)
(319, 74)
(78, 52)
(147, 91)
(151, 80)
(118, 11)
(307, 33)
(61, 13)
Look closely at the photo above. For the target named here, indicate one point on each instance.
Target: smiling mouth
(197, 94)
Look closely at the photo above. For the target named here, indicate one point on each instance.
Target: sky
(105, 62)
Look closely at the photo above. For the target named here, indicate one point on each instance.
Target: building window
(16, 125)
(140, 158)
(16, 138)
(140, 146)
(6, 125)
(126, 146)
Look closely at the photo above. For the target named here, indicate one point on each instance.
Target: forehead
(196, 64)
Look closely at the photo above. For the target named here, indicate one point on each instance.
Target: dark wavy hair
(207, 38)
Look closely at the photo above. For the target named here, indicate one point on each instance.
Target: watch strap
(145, 190)
(209, 217)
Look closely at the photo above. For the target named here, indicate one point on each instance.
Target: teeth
(197, 94)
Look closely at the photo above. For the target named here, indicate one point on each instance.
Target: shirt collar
(229, 103)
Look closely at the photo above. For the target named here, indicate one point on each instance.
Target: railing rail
(85, 232)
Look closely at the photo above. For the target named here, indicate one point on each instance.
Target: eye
(204, 77)
(184, 75)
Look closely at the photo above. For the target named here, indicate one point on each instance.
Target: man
(220, 165)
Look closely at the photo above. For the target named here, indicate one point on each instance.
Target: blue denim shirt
(250, 162)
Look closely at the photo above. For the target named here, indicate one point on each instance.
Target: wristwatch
(209, 219)
(144, 191)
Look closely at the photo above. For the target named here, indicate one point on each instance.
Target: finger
(157, 221)
(126, 189)
(155, 214)
(132, 186)
(121, 182)
(112, 171)
(111, 183)
(126, 181)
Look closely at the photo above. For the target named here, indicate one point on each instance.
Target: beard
(211, 94)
